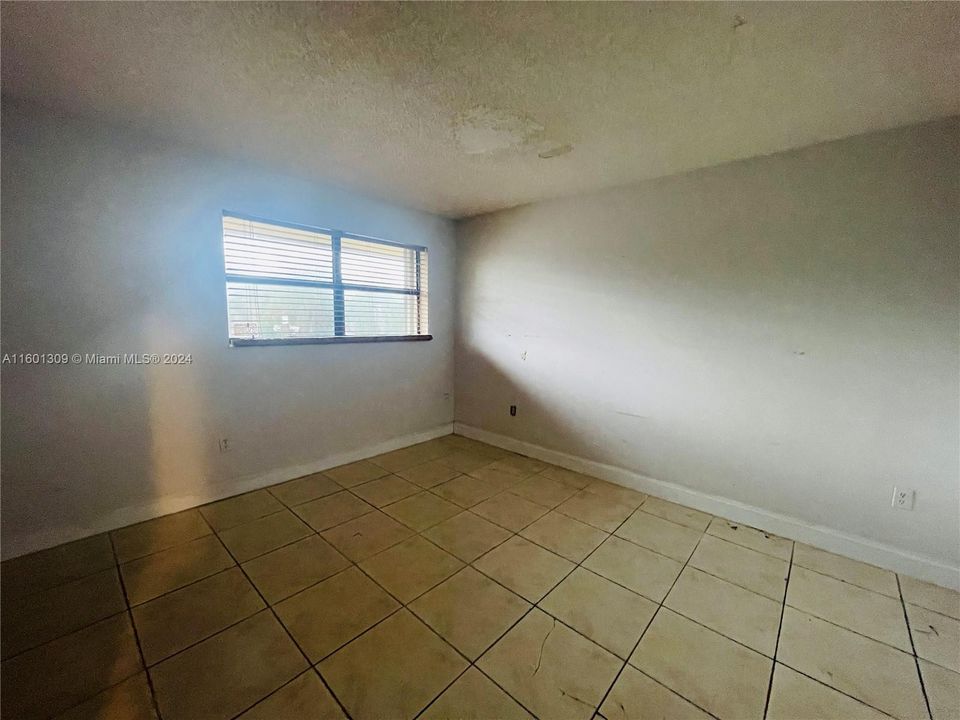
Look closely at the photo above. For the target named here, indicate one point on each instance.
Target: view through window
(292, 283)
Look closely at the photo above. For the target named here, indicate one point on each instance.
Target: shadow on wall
(548, 425)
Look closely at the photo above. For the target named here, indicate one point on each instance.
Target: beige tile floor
(453, 579)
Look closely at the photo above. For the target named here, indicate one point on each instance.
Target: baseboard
(171, 504)
(829, 539)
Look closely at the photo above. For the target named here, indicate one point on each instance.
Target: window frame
(337, 285)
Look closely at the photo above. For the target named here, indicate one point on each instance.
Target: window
(295, 284)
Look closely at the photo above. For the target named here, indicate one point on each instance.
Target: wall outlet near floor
(903, 498)
(513, 411)
(225, 444)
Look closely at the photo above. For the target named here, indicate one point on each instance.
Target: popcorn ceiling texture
(446, 106)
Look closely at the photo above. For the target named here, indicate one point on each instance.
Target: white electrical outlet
(903, 498)
(224, 444)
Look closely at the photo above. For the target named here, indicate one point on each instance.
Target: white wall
(111, 244)
(780, 332)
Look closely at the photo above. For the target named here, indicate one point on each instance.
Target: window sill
(248, 342)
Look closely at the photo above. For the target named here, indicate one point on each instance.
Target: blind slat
(298, 297)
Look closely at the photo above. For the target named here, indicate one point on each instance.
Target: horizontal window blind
(286, 282)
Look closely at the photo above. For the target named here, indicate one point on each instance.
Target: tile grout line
(609, 534)
(811, 677)
(276, 617)
(419, 533)
(916, 659)
(533, 605)
(849, 630)
(837, 690)
(198, 508)
(126, 611)
(136, 633)
(216, 533)
(640, 639)
(776, 646)
(416, 532)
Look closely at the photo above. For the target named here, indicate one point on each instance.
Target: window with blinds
(295, 284)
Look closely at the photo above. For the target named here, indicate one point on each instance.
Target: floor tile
(60, 674)
(568, 477)
(153, 575)
(465, 461)
(717, 674)
(410, 568)
(509, 511)
(407, 457)
(739, 614)
(635, 695)
(289, 569)
(464, 443)
(932, 597)
(871, 671)
(227, 673)
(385, 490)
(528, 570)
(48, 614)
(475, 697)
(498, 477)
(470, 611)
(304, 489)
(55, 566)
(429, 474)
(565, 536)
(795, 696)
(374, 671)
(634, 567)
(552, 670)
(943, 690)
(935, 636)
(597, 510)
(332, 510)
(422, 510)
(181, 618)
(257, 537)
(856, 573)
(240, 509)
(465, 491)
(436, 447)
(544, 491)
(355, 473)
(330, 614)
(367, 535)
(613, 491)
(752, 538)
(520, 465)
(467, 536)
(158, 534)
(744, 567)
(303, 698)
(608, 614)
(662, 536)
(863, 611)
(129, 700)
(693, 519)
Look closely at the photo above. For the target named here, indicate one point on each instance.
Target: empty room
(490, 360)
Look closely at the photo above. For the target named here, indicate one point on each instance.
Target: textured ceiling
(465, 108)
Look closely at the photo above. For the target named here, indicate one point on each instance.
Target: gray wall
(111, 244)
(781, 332)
